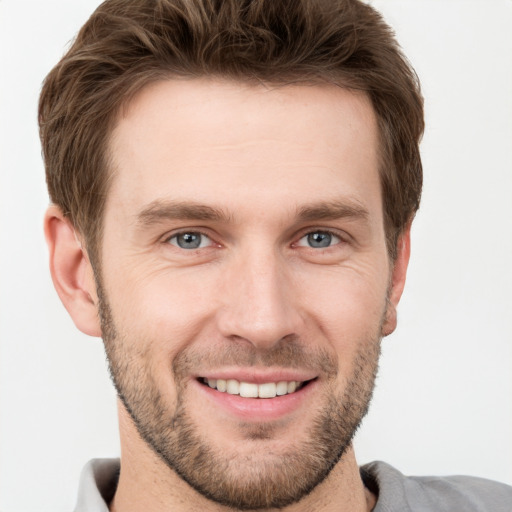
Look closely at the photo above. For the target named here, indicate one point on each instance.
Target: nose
(259, 304)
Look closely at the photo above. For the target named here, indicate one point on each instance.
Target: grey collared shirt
(396, 492)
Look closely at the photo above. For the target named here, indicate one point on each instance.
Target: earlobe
(399, 273)
(71, 272)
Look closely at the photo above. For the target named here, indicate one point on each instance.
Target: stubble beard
(251, 482)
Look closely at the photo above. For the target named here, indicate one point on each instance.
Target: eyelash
(188, 232)
(331, 233)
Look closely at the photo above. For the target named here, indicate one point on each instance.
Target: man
(233, 187)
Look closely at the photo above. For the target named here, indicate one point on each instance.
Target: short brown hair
(127, 44)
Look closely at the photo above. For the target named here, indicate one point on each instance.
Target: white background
(443, 402)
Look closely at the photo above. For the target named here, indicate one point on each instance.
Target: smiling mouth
(252, 390)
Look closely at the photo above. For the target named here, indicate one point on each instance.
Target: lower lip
(259, 409)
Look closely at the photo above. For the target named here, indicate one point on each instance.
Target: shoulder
(98, 483)
(399, 493)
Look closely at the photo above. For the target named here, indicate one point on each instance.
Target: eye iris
(319, 239)
(189, 240)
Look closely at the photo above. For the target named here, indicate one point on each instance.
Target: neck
(147, 483)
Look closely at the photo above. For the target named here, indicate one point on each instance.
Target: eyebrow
(159, 211)
(333, 210)
(162, 210)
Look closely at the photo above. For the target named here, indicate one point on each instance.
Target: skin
(271, 160)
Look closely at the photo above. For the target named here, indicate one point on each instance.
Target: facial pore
(266, 479)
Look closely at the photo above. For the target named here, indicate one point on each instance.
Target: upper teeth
(251, 390)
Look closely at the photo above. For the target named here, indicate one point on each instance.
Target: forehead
(228, 143)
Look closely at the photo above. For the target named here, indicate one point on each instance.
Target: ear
(397, 284)
(72, 272)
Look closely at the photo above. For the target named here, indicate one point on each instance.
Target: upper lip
(258, 376)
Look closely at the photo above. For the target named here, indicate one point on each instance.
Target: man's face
(243, 254)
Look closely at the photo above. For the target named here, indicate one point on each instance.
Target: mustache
(289, 352)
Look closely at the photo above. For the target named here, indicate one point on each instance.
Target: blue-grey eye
(319, 240)
(190, 240)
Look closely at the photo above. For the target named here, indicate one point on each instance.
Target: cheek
(347, 306)
(173, 308)
(164, 307)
